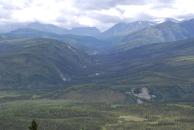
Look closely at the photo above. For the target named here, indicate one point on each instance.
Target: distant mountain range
(84, 31)
(87, 43)
(164, 32)
(120, 36)
(122, 29)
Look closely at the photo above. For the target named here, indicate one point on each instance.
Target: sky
(99, 13)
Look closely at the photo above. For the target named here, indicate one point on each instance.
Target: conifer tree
(33, 126)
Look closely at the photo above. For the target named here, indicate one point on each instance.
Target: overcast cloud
(99, 13)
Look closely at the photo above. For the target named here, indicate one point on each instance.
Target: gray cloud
(10, 6)
(100, 13)
(166, 1)
(105, 4)
(186, 17)
(106, 18)
(62, 21)
(162, 4)
(5, 14)
(146, 17)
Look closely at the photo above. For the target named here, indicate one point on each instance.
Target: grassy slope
(166, 69)
(37, 63)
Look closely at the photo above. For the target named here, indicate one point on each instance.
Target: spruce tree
(33, 126)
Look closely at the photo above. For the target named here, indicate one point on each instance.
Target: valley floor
(17, 110)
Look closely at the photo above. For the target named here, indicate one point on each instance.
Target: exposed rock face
(144, 94)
